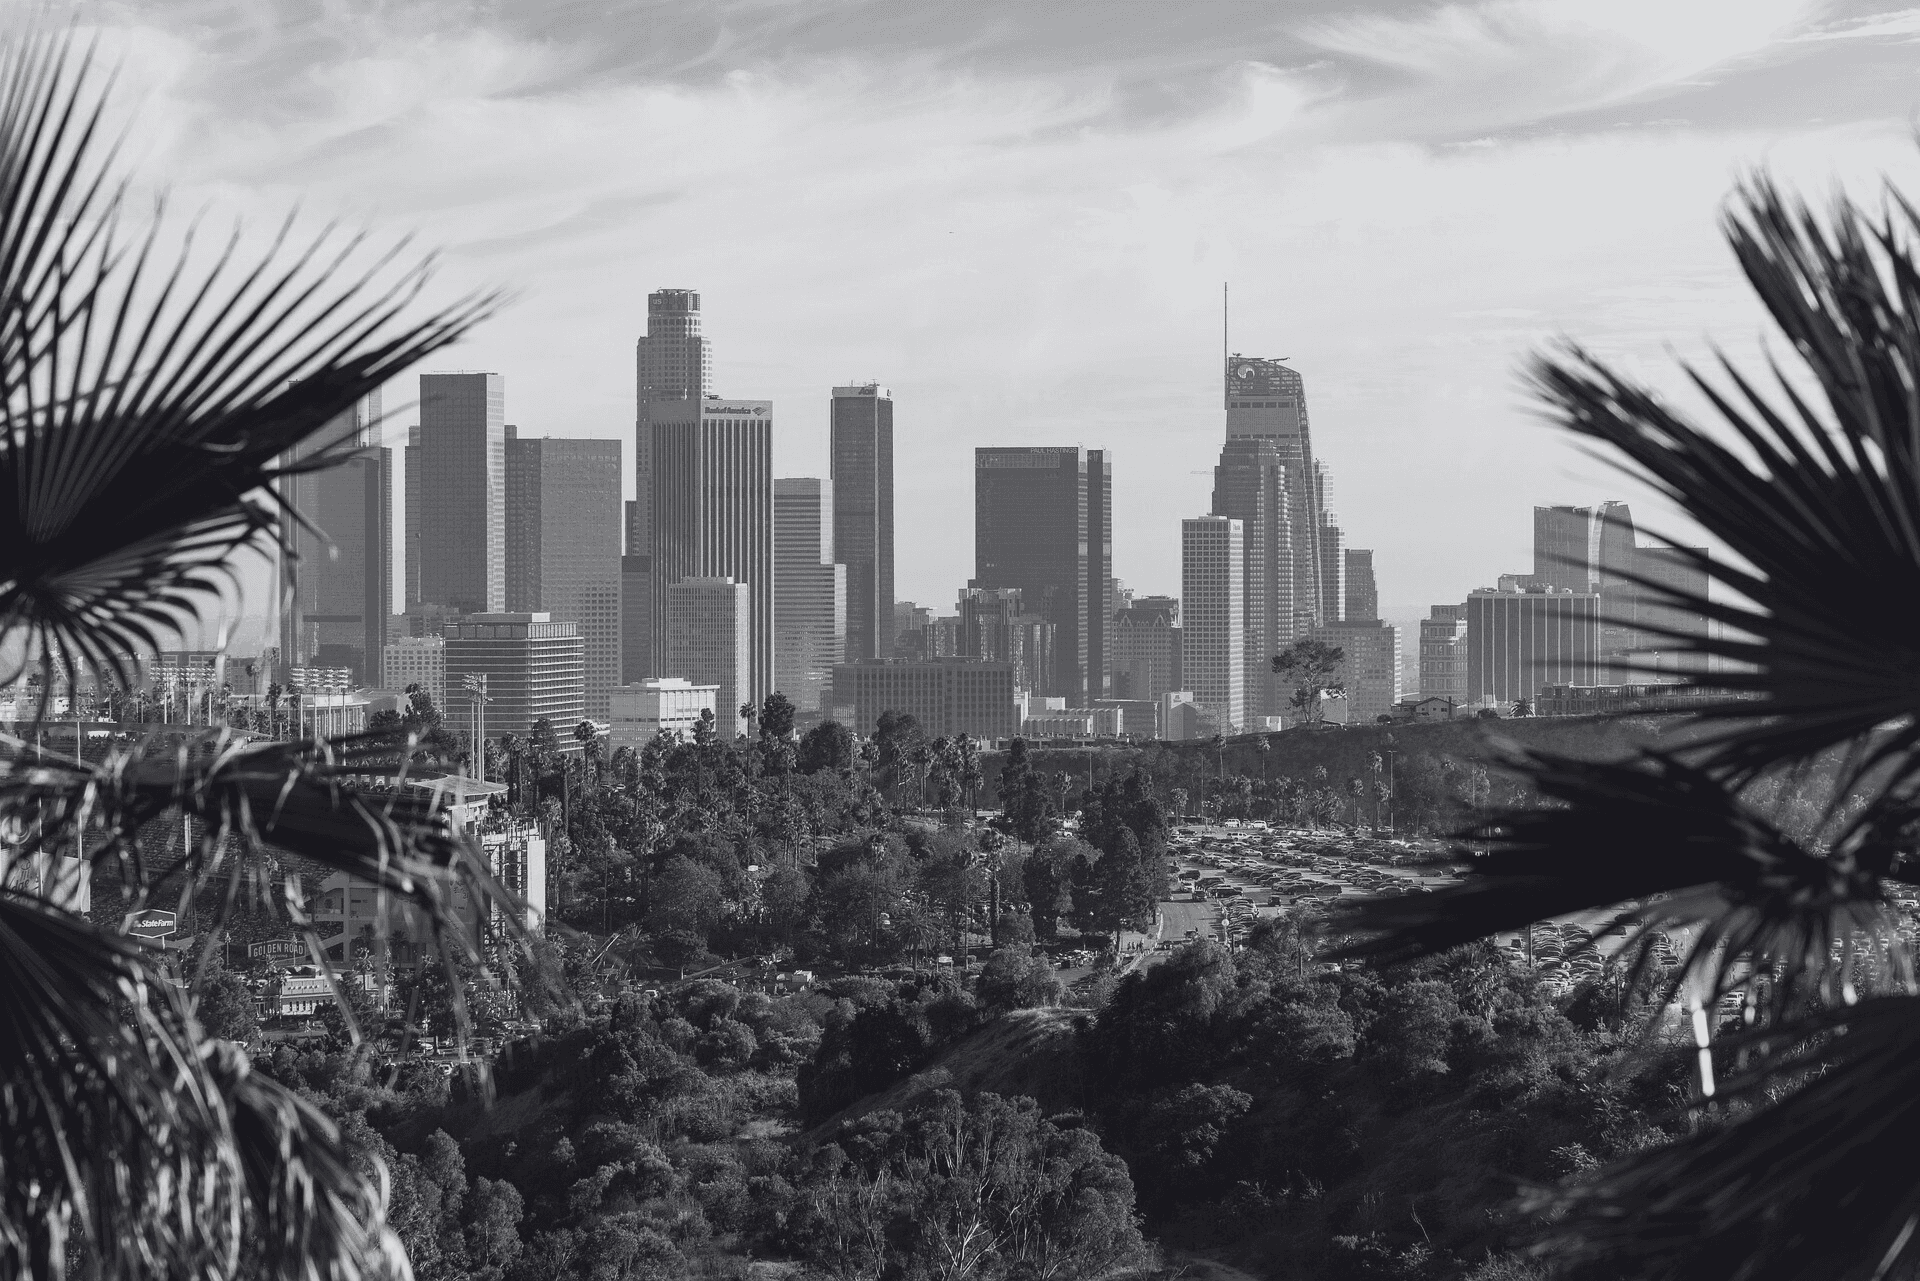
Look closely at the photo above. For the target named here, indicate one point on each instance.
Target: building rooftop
(458, 789)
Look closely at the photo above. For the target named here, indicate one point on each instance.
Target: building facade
(535, 669)
(337, 574)
(1443, 653)
(995, 625)
(644, 710)
(1146, 648)
(712, 517)
(1213, 633)
(1370, 670)
(1032, 531)
(564, 522)
(463, 491)
(1250, 485)
(1362, 592)
(418, 660)
(947, 696)
(809, 592)
(1519, 641)
(861, 448)
(710, 642)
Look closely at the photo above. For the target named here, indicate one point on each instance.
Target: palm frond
(1812, 1188)
(1819, 504)
(144, 422)
(1664, 846)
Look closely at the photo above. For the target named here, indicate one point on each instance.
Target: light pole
(476, 686)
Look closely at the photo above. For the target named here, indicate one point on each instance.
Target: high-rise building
(414, 518)
(1443, 653)
(1031, 532)
(1250, 486)
(1267, 400)
(673, 362)
(1213, 635)
(810, 592)
(710, 642)
(947, 696)
(563, 546)
(1146, 648)
(861, 448)
(1519, 641)
(463, 491)
(1362, 592)
(339, 576)
(995, 625)
(535, 669)
(1592, 549)
(1370, 667)
(712, 517)
(1099, 580)
(1666, 630)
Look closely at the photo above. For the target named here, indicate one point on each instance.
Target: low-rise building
(645, 709)
(946, 696)
(1430, 708)
(1606, 700)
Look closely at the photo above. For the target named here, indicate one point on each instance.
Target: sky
(1019, 216)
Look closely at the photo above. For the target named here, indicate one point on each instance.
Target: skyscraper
(809, 592)
(341, 578)
(563, 546)
(710, 636)
(1362, 591)
(463, 491)
(636, 602)
(1267, 400)
(861, 449)
(1031, 531)
(1146, 648)
(712, 517)
(1099, 580)
(1369, 667)
(414, 519)
(1213, 635)
(1665, 629)
(1333, 560)
(1250, 486)
(1593, 549)
(671, 363)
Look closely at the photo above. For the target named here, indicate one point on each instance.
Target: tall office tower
(861, 450)
(535, 668)
(809, 592)
(1267, 400)
(563, 546)
(1250, 486)
(1333, 574)
(1666, 630)
(712, 517)
(1213, 566)
(1100, 585)
(1369, 667)
(636, 588)
(341, 578)
(1519, 641)
(1146, 648)
(1592, 549)
(1362, 591)
(1030, 531)
(463, 491)
(415, 518)
(1443, 653)
(710, 636)
(672, 363)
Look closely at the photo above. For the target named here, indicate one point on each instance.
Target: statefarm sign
(154, 925)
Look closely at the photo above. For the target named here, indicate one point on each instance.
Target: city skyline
(1497, 179)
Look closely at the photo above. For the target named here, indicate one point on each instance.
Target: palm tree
(1773, 834)
(149, 405)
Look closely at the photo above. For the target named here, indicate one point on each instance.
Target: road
(1179, 917)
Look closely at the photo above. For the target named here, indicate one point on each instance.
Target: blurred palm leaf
(147, 403)
(149, 399)
(1820, 503)
(1815, 1187)
(1674, 849)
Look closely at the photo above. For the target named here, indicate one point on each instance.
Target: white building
(1213, 606)
(710, 642)
(417, 660)
(669, 703)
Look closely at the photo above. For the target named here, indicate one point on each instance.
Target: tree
(827, 746)
(1026, 809)
(145, 440)
(1309, 665)
(1802, 1172)
(776, 717)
